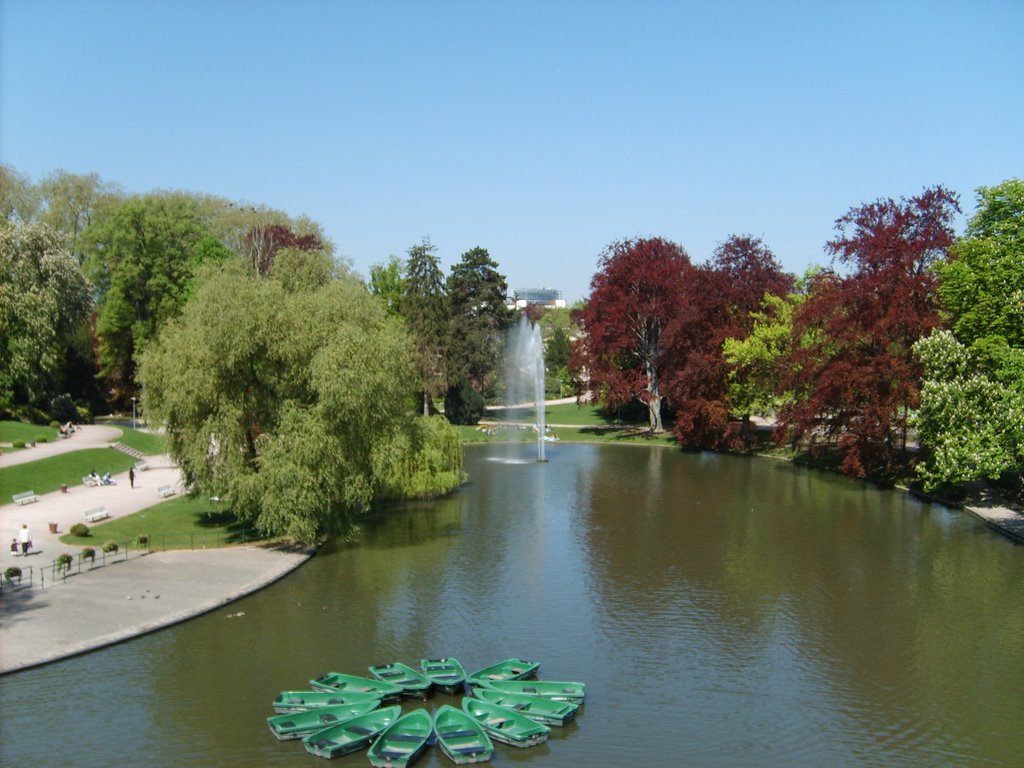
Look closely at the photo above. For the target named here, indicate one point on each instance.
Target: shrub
(88, 553)
(110, 546)
(12, 573)
(42, 439)
(18, 444)
(62, 408)
(80, 530)
(84, 415)
(54, 424)
(64, 561)
(142, 540)
(463, 404)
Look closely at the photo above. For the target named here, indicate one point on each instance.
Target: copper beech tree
(852, 369)
(633, 297)
(716, 303)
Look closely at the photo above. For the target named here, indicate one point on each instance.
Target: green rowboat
(461, 736)
(506, 725)
(547, 711)
(509, 669)
(351, 735)
(549, 689)
(402, 741)
(295, 725)
(336, 681)
(446, 674)
(301, 701)
(411, 682)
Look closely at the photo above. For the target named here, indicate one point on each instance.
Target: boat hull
(403, 741)
(413, 684)
(537, 708)
(296, 725)
(302, 701)
(446, 675)
(461, 737)
(505, 725)
(337, 681)
(351, 735)
(555, 690)
(509, 669)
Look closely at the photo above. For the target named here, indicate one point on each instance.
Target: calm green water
(722, 611)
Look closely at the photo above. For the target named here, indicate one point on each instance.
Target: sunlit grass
(49, 474)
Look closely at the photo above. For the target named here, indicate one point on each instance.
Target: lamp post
(133, 413)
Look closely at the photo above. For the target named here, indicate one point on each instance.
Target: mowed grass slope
(180, 523)
(49, 474)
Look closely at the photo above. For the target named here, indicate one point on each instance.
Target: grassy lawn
(16, 430)
(583, 434)
(181, 523)
(564, 413)
(49, 474)
(147, 442)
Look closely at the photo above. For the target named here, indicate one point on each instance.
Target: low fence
(75, 563)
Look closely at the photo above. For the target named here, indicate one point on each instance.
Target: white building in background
(544, 297)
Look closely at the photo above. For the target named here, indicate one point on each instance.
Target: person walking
(25, 537)
(131, 477)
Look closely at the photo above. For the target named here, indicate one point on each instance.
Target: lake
(723, 611)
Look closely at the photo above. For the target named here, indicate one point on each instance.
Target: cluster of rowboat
(504, 702)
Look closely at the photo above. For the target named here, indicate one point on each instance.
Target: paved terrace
(121, 599)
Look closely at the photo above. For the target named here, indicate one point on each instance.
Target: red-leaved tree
(715, 304)
(852, 368)
(263, 243)
(633, 296)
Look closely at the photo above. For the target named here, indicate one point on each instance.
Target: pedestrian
(131, 477)
(25, 537)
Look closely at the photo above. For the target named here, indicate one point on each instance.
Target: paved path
(120, 600)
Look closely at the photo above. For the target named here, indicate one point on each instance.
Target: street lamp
(133, 413)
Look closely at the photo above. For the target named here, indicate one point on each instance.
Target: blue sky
(542, 131)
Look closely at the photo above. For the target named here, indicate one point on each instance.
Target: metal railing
(58, 572)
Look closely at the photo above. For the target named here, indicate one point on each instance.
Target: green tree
(19, 198)
(291, 399)
(479, 318)
(425, 310)
(387, 283)
(982, 283)
(44, 301)
(71, 202)
(141, 256)
(754, 362)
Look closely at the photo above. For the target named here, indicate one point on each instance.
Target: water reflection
(723, 611)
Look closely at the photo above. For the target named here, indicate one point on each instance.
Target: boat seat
(470, 750)
(393, 753)
(328, 719)
(286, 724)
(529, 689)
(323, 743)
(404, 737)
(519, 706)
(457, 734)
(362, 731)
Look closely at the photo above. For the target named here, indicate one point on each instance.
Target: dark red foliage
(714, 305)
(633, 296)
(852, 370)
(264, 242)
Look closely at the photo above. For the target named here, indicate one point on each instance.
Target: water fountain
(524, 373)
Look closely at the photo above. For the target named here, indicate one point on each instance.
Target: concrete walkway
(122, 599)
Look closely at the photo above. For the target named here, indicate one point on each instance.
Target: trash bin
(53, 527)
(63, 488)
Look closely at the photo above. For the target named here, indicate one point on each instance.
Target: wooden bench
(141, 466)
(99, 513)
(25, 498)
(90, 480)
(166, 490)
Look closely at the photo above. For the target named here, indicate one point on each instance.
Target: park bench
(90, 480)
(25, 498)
(99, 513)
(166, 490)
(141, 466)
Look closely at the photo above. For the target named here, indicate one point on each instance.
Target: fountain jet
(524, 374)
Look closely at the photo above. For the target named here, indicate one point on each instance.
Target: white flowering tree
(970, 424)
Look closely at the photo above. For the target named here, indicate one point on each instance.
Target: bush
(84, 415)
(81, 530)
(64, 561)
(142, 540)
(42, 439)
(110, 547)
(12, 573)
(18, 444)
(463, 404)
(88, 553)
(62, 408)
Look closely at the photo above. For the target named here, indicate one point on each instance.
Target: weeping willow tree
(291, 397)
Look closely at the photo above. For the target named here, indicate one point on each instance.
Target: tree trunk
(654, 411)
